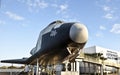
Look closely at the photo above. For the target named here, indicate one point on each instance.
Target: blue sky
(22, 20)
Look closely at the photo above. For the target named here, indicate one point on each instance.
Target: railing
(114, 64)
(97, 60)
(92, 59)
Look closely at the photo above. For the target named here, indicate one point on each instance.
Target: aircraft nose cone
(78, 33)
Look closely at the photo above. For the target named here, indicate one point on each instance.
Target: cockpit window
(52, 25)
(55, 22)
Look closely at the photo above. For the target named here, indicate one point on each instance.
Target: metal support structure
(81, 67)
(37, 67)
(95, 69)
(77, 66)
(33, 72)
(101, 70)
(11, 73)
(118, 71)
(66, 66)
(85, 68)
(89, 68)
(72, 66)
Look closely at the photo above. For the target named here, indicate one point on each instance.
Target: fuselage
(58, 40)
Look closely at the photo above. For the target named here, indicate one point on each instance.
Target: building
(109, 54)
(100, 60)
(11, 70)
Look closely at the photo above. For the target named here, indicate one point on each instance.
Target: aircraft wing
(30, 60)
(17, 61)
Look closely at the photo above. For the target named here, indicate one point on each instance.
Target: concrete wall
(4, 73)
(90, 50)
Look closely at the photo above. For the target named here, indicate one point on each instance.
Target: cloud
(62, 8)
(14, 16)
(115, 29)
(110, 12)
(108, 16)
(106, 8)
(41, 4)
(99, 34)
(102, 28)
(36, 5)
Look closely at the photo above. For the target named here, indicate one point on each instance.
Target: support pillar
(101, 70)
(33, 72)
(72, 66)
(81, 67)
(95, 69)
(37, 67)
(84, 67)
(77, 66)
(89, 72)
(118, 71)
(66, 66)
(10, 73)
